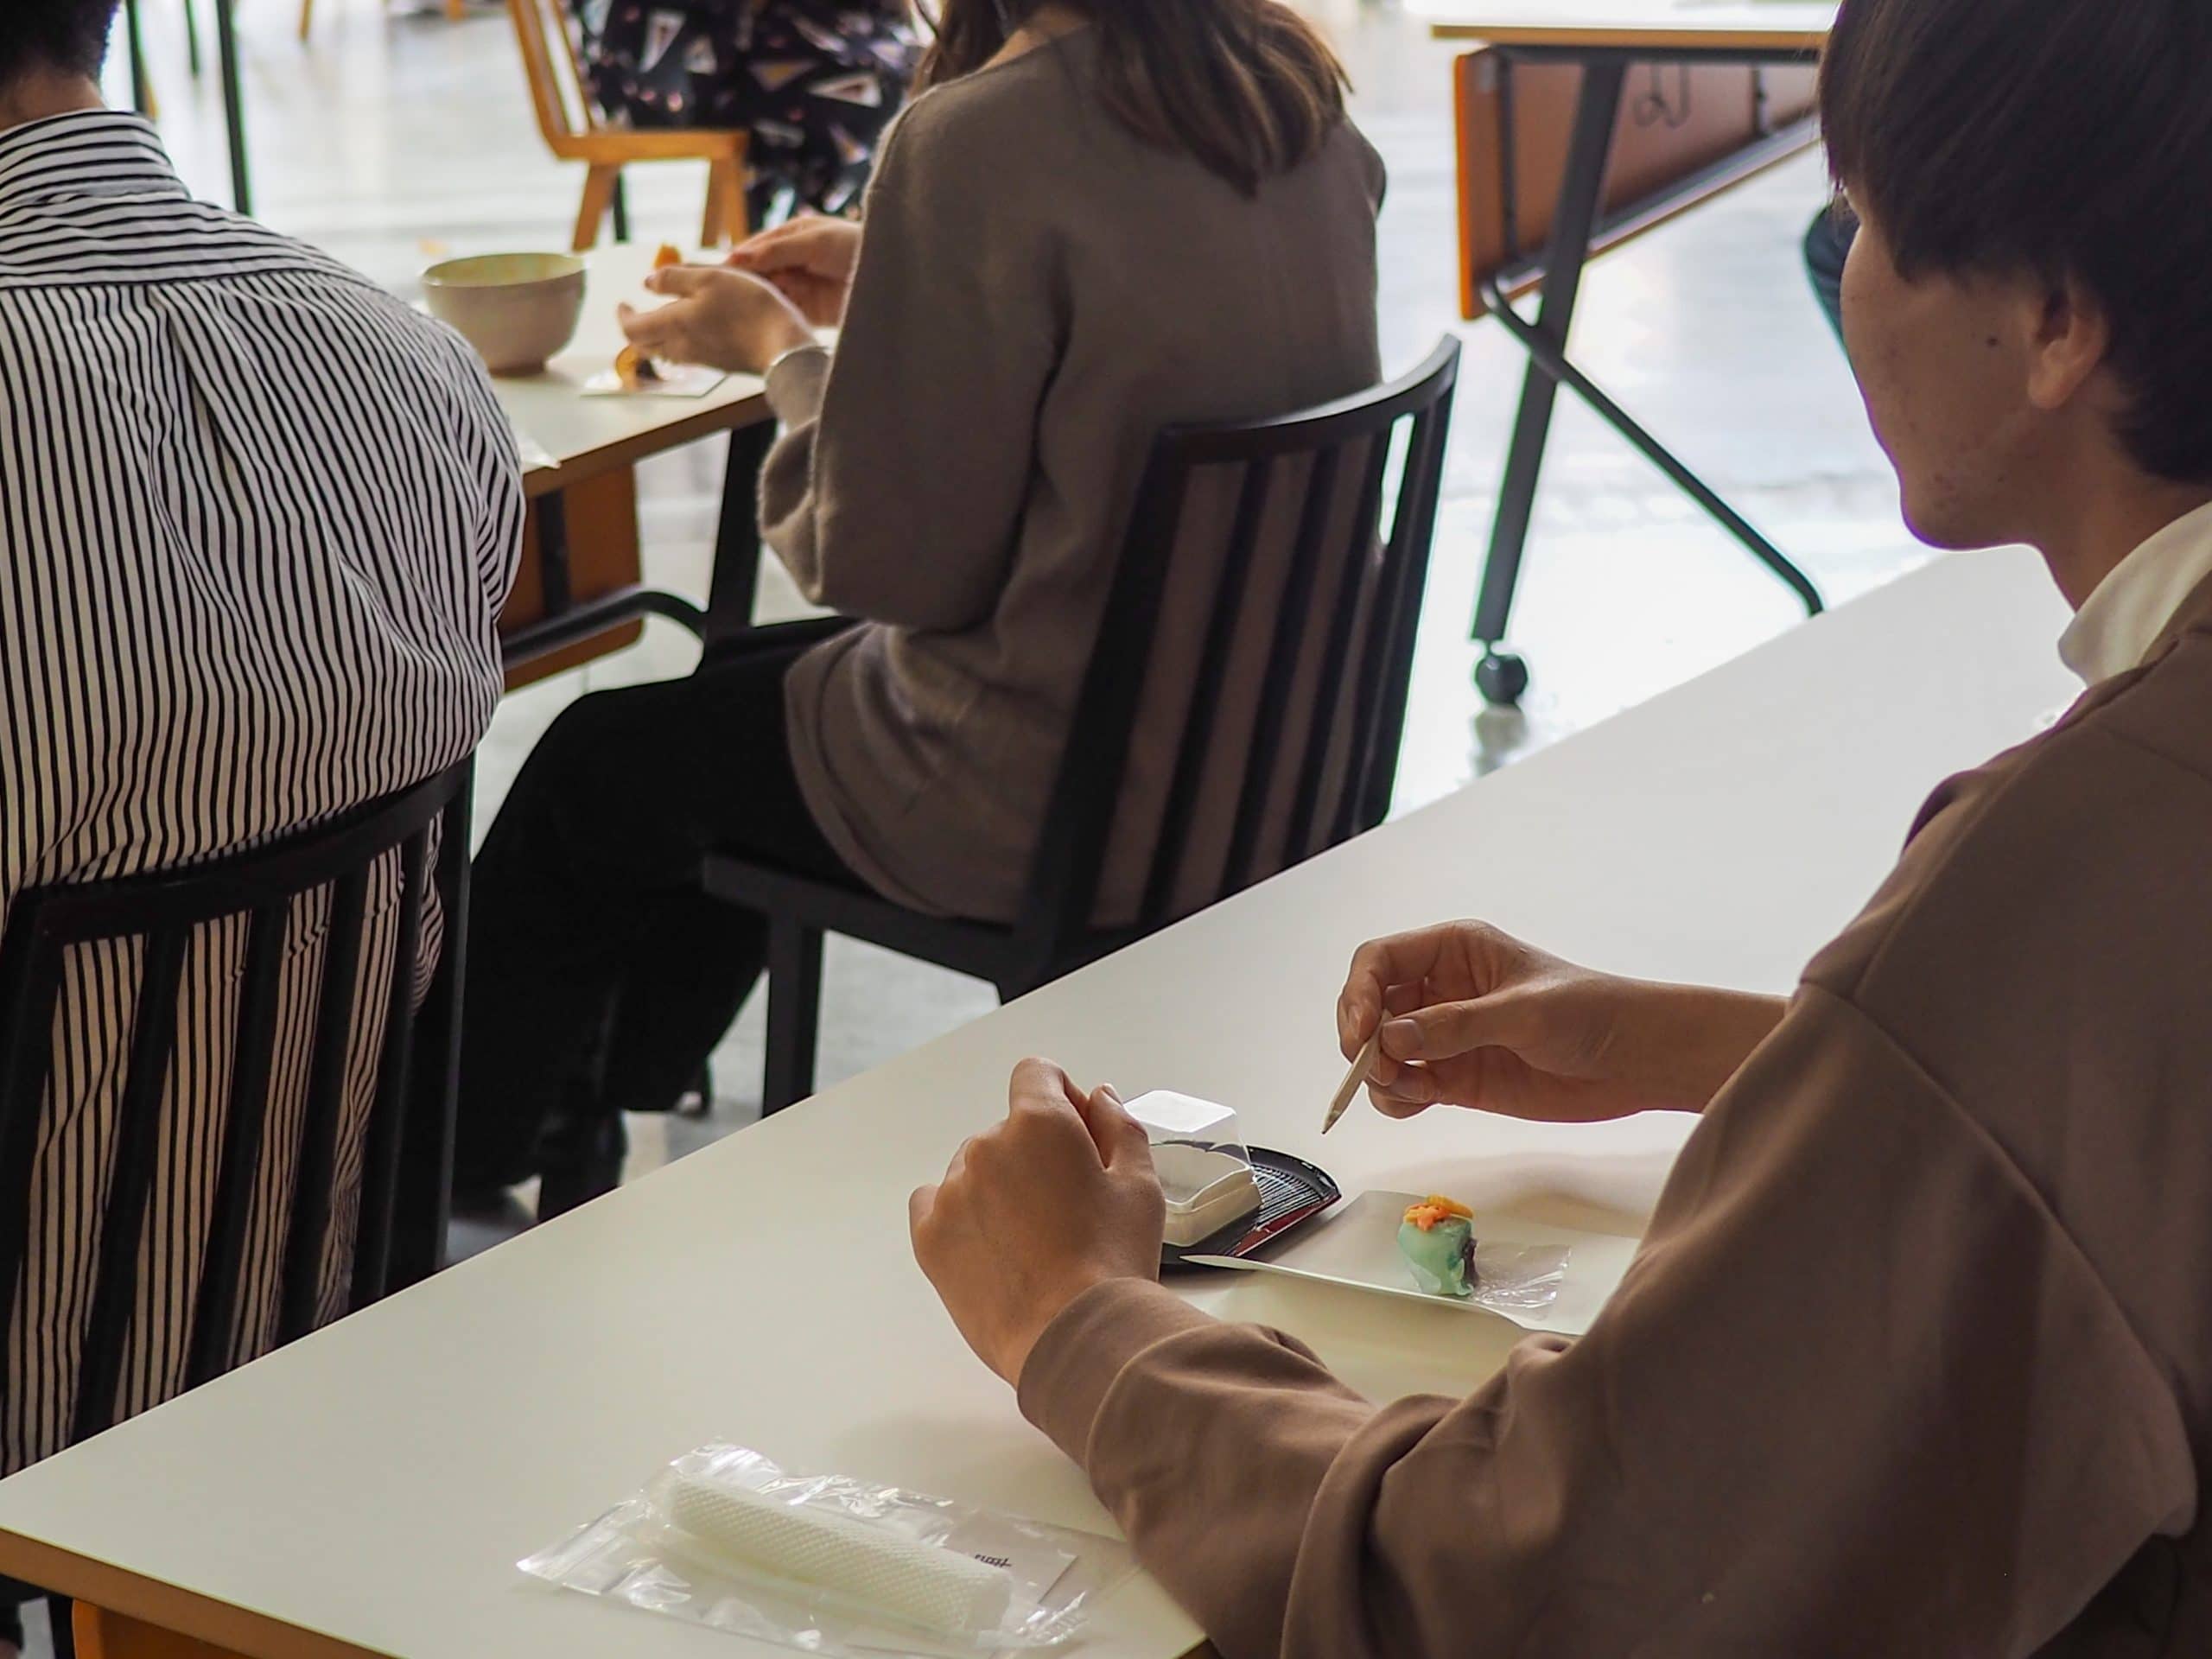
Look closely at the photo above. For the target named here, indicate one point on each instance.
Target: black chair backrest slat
(31, 984)
(1339, 553)
(1206, 694)
(1381, 712)
(165, 914)
(1293, 610)
(138, 1127)
(1064, 874)
(314, 1163)
(423, 1203)
(214, 1314)
(1338, 664)
(394, 1071)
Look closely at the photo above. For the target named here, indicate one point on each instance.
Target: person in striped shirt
(257, 521)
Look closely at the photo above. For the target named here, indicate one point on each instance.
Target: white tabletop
(1739, 25)
(377, 1481)
(585, 436)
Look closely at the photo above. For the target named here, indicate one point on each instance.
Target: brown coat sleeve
(896, 491)
(1860, 1394)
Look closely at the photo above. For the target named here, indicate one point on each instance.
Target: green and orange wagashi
(1437, 1238)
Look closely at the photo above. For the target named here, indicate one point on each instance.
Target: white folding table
(367, 1490)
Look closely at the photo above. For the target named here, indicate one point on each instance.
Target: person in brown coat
(1916, 1356)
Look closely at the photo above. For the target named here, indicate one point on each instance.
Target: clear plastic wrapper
(833, 1566)
(1518, 1277)
(1204, 1167)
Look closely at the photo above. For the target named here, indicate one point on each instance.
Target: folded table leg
(1596, 109)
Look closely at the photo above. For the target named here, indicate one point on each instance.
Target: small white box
(1204, 1166)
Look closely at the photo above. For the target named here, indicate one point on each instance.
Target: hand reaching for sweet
(811, 260)
(724, 319)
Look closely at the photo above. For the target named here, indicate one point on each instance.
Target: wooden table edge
(1603, 37)
(750, 410)
(151, 1601)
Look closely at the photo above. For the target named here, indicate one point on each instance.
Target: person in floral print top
(814, 82)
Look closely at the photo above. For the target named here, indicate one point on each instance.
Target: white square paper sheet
(1357, 1246)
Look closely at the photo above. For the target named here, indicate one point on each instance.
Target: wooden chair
(573, 131)
(1255, 542)
(405, 1160)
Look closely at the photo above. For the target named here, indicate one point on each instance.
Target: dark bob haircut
(2052, 139)
(70, 36)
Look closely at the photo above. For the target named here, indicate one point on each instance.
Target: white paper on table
(674, 382)
(1358, 1246)
(534, 454)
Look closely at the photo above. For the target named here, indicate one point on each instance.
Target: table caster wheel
(1501, 677)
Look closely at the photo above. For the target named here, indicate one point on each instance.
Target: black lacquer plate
(1292, 1193)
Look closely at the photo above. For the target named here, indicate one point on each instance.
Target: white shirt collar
(83, 153)
(2119, 623)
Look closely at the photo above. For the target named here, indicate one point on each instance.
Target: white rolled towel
(926, 1584)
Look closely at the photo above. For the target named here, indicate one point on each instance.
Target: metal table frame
(1501, 674)
(226, 51)
(737, 568)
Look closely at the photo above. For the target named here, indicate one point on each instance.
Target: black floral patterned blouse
(814, 82)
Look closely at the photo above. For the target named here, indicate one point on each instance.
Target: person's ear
(2069, 336)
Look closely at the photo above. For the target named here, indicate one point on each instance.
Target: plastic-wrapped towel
(926, 1584)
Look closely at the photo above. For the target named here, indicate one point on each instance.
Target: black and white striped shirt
(257, 521)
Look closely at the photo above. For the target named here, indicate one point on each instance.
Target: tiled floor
(395, 137)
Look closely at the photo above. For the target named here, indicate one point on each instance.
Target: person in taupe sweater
(1097, 225)
(1916, 1358)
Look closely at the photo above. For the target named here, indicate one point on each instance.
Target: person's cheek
(1879, 364)
(1859, 318)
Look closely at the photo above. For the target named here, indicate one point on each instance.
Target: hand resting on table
(1037, 1210)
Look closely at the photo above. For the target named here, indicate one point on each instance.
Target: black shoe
(581, 1159)
(698, 1099)
(485, 1202)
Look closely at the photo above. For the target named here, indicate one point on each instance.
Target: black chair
(1302, 583)
(400, 1234)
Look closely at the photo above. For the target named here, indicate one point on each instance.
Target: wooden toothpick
(1353, 1078)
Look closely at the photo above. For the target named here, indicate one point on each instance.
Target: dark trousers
(600, 976)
